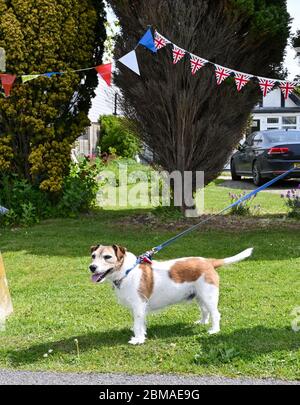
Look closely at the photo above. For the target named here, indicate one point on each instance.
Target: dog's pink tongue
(96, 278)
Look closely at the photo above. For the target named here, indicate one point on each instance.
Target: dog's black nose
(93, 268)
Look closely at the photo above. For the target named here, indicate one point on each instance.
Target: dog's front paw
(213, 331)
(202, 322)
(137, 341)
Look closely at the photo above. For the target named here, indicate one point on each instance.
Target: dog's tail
(230, 260)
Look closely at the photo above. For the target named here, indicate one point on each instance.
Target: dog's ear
(119, 251)
(94, 248)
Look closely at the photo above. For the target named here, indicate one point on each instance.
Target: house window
(273, 120)
(272, 128)
(289, 122)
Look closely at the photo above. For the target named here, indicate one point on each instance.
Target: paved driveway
(46, 378)
(247, 184)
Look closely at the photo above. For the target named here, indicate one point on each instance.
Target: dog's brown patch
(147, 282)
(217, 263)
(190, 270)
(120, 251)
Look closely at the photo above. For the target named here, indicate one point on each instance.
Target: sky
(290, 62)
(103, 103)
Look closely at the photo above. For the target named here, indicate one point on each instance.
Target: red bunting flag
(7, 81)
(222, 74)
(196, 63)
(160, 41)
(178, 54)
(241, 79)
(266, 85)
(105, 71)
(287, 88)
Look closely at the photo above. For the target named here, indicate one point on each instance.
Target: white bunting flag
(130, 61)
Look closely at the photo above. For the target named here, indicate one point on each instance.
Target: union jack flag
(178, 54)
(222, 74)
(197, 63)
(266, 85)
(160, 41)
(241, 79)
(287, 88)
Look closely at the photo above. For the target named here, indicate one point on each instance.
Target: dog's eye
(107, 257)
(93, 257)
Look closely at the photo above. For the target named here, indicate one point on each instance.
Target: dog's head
(106, 262)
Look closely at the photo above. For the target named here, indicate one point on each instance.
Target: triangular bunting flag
(241, 79)
(105, 72)
(266, 85)
(222, 74)
(196, 63)
(7, 81)
(287, 88)
(160, 41)
(27, 78)
(148, 41)
(130, 61)
(178, 54)
(50, 74)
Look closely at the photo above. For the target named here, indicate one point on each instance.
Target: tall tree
(189, 122)
(42, 118)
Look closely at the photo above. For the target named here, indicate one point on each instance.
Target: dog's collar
(146, 258)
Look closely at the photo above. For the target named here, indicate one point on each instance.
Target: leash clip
(147, 257)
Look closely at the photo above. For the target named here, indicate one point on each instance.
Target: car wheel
(234, 176)
(257, 178)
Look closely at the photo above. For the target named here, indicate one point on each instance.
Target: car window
(249, 140)
(283, 137)
(257, 141)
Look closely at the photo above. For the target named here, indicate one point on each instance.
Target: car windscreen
(283, 137)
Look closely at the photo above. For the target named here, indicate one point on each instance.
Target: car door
(245, 156)
(255, 150)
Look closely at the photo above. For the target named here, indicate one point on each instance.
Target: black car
(266, 154)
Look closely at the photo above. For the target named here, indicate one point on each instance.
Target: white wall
(273, 99)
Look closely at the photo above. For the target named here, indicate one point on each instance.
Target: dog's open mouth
(98, 278)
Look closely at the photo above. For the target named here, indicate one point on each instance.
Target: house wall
(87, 143)
(273, 99)
(276, 113)
(278, 121)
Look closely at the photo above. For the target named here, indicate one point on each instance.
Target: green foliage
(244, 208)
(27, 204)
(219, 354)
(292, 202)
(116, 135)
(79, 189)
(42, 118)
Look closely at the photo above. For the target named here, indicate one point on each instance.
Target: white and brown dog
(152, 287)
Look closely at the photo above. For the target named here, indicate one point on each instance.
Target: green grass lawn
(55, 303)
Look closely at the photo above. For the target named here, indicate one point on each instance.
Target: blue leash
(147, 257)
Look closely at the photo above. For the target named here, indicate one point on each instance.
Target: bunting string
(155, 43)
(223, 72)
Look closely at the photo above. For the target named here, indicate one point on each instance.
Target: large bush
(27, 203)
(42, 118)
(117, 136)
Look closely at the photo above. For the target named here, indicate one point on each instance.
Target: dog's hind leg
(139, 326)
(209, 295)
(204, 312)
